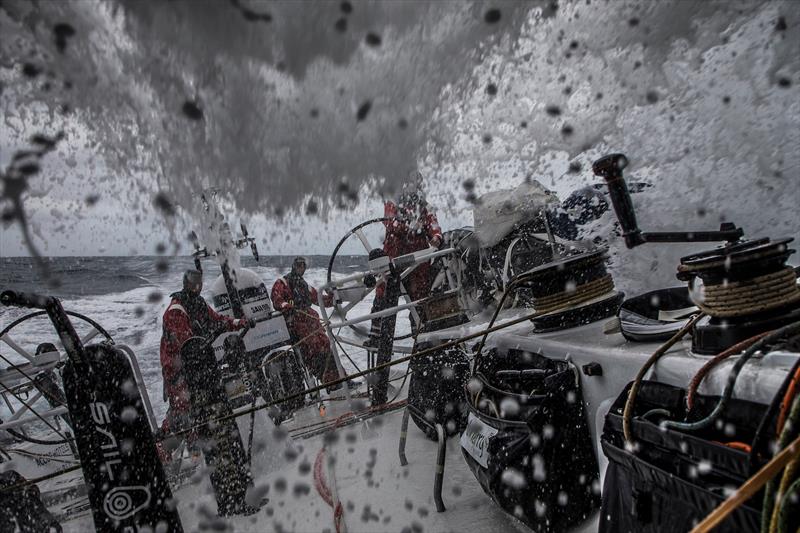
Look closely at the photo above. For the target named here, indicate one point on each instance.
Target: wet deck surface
(377, 494)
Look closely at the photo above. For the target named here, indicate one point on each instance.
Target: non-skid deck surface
(376, 492)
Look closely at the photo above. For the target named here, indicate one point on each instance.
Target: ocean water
(127, 296)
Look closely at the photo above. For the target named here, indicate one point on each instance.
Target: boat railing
(17, 420)
(137, 374)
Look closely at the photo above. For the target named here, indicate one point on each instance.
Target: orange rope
(736, 445)
(791, 391)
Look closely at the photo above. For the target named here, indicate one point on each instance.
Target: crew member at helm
(410, 227)
(187, 316)
(413, 228)
(294, 297)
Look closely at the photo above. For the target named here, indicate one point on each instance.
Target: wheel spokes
(89, 336)
(363, 238)
(16, 347)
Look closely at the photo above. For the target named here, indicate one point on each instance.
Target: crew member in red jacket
(187, 316)
(413, 228)
(292, 295)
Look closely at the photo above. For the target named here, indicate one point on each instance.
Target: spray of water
(270, 102)
(278, 102)
(703, 98)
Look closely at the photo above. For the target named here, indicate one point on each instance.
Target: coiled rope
(580, 294)
(746, 297)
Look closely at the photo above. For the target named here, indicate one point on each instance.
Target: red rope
(325, 492)
(319, 479)
(792, 390)
(319, 475)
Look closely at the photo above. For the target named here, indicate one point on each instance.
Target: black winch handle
(28, 300)
(610, 168)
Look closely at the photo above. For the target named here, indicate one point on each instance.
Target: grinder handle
(610, 168)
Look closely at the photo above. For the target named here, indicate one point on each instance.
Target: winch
(744, 286)
(571, 291)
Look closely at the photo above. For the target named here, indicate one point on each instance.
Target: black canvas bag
(435, 389)
(540, 464)
(670, 480)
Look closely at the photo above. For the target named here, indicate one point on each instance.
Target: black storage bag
(21, 507)
(670, 480)
(435, 390)
(547, 443)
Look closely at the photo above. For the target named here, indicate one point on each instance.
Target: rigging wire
(33, 440)
(42, 456)
(376, 368)
(34, 411)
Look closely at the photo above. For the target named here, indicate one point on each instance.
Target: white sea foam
(117, 314)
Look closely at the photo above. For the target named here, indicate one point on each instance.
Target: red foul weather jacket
(292, 295)
(177, 330)
(403, 238)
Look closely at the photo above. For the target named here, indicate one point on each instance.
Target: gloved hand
(436, 241)
(286, 307)
(242, 323)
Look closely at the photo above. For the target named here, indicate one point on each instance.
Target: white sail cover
(497, 213)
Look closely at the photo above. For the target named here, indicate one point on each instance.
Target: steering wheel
(17, 378)
(96, 330)
(341, 307)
